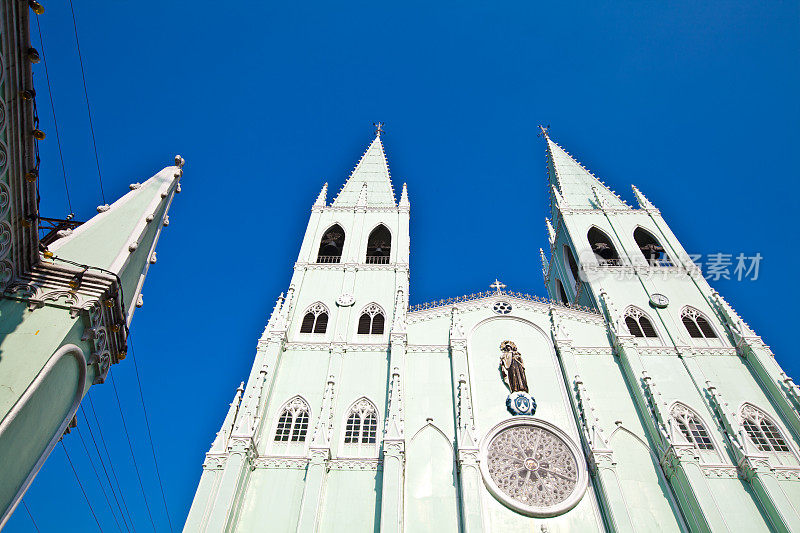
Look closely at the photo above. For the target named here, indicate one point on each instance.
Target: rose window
(502, 308)
(535, 469)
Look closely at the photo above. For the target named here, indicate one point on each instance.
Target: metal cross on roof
(378, 127)
(497, 286)
(543, 130)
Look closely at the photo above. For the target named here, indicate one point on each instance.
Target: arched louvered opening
(361, 428)
(651, 249)
(379, 246)
(696, 324)
(331, 245)
(572, 264)
(602, 247)
(562, 294)
(692, 427)
(764, 433)
(372, 320)
(315, 320)
(293, 421)
(639, 324)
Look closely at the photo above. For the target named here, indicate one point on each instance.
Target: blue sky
(694, 102)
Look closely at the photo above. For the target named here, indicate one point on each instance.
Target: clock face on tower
(533, 467)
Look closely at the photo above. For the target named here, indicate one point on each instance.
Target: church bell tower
(685, 353)
(322, 359)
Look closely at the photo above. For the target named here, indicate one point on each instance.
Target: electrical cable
(97, 475)
(149, 434)
(103, 464)
(63, 446)
(53, 108)
(110, 463)
(133, 456)
(25, 505)
(88, 107)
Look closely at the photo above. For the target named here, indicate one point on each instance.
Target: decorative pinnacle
(378, 128)
(497, 286)
(404, 196)
(543, 131)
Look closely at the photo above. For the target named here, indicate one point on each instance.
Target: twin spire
(571, 184)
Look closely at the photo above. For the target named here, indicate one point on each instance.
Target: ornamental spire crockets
(574, 183)
(323, 196)
(372, 172)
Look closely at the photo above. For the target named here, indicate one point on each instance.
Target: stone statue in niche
(519, 402)
(512, 368)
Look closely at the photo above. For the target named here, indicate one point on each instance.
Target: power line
(97, 475)
(63, 446)
(149, 434)
(103, 464)
(133, 457)
(88, 108)
(25, 505)
(108, 456)
(53, 108)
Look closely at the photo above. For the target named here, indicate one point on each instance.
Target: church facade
(634, 399)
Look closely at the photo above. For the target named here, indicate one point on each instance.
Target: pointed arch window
(361, 428)
(372, 320)
(651, 249)
(692, 427)
(572, 264)
(762, 431)
(331, 245)
(639, 323)
(696, 324)
(379, 246)
(602, 247)
(293, 422)
(315, 320)
(562, 294)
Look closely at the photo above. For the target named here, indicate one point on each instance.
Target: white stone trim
(68, 350)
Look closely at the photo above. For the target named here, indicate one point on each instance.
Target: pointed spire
(575, 183)
(404, 197)
(644, 203)
(371, 171)
(551, 233)
(545, 264)
(323, 196)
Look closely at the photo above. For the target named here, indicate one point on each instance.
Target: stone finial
(551, 233)
(644, 203)
(545, 263)
(179, 161)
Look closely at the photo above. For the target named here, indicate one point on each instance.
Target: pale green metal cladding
(433, 380)
(63, 325)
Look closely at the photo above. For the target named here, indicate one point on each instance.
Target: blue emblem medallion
(521, 403)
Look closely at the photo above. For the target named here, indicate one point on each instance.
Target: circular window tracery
(533, 467)
(502, 308)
